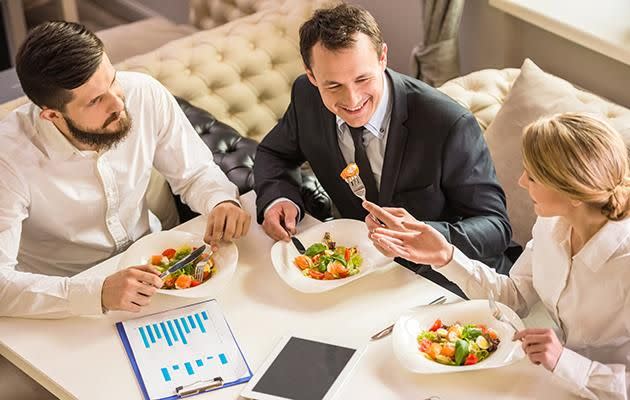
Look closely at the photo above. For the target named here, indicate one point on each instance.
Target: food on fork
(457, 344)
(350, 171)
(183, 278)
(326, 261)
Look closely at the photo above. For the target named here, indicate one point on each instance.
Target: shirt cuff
(276, 201)
(84, 295)
(573, 367)
(458, 269)
(220, 197)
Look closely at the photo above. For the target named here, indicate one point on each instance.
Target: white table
(82, 358)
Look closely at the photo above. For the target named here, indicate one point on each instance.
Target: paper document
(181, 347)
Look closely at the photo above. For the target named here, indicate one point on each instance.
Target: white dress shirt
(62, 210)
(587, 295)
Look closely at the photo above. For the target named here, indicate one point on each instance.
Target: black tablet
(303, 369)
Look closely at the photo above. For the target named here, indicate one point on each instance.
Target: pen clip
(191, 390)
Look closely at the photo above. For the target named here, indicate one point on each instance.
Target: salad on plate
(326, 260)
(193, 274)
(457, 344)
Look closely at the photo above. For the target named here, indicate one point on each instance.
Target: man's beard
(100, 139)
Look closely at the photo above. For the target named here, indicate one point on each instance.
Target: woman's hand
(542, 346)
(419, 243)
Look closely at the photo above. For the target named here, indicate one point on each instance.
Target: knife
(298, 245)
(184, 261)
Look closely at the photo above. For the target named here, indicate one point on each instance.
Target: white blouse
(587, 295)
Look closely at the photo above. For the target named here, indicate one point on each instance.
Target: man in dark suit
(416, 148)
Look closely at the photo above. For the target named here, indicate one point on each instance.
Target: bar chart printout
(181, 347)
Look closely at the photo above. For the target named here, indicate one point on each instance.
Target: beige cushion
(533, 95)
(482, 92)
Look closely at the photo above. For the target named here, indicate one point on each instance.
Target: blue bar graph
(189, 368)
(174, 331)
(166, 336)
(192, 367)
(203, 328)
(179, 330)
(157, 331)
(166, 375)
(144, 337)
(170, 327)
(151, 334)
(185, 324)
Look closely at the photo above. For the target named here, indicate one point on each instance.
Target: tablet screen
(304, 370)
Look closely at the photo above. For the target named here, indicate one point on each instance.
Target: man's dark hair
(55, 58)
(335, 28)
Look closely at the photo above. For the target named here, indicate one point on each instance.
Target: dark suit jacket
(437, 166)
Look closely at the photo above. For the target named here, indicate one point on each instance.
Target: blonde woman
(577, 264)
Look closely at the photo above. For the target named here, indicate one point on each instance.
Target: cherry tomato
(471, 359)
(194, 283)
(169, 253)
(436, 325)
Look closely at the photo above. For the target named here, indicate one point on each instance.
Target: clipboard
(183, 352)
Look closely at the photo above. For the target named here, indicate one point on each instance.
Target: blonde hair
(581, 156)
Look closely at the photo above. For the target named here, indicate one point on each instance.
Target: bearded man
(74, 171)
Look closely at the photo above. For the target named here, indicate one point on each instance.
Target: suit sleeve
(481, 229)
(278, 159)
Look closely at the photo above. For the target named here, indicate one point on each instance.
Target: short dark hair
(56, 57)
(335, 28)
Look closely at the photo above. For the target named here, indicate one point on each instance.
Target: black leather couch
(235, 154)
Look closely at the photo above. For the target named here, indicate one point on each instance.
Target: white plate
(345, 232)
(225, 260)
(418, 319)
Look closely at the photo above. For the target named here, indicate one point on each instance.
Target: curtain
(436, 58)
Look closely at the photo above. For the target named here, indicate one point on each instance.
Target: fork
(358, 188)
(497, 313)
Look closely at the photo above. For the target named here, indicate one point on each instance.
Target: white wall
(491, 39)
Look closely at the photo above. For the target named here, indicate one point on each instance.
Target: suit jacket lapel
(396, 140)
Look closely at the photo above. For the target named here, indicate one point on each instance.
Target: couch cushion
(533, 95)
